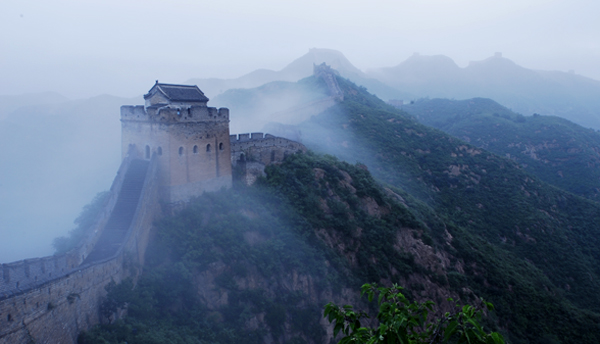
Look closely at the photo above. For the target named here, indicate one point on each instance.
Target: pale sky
(85, 48)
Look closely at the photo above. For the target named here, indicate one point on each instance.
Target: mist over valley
(236, 172)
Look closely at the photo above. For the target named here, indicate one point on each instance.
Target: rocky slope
(257, 264)
(537, 237)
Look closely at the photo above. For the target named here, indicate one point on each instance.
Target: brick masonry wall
(192, 147)
(18, 277)
(262, 148)
(56, 309)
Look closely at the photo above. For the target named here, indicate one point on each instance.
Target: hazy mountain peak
(437, 61)
(419, 69)
(303, 66)
(10, 103)
(496, 61)
(300, 68)
(498, 70)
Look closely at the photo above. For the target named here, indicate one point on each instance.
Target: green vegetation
(240, 246)
(258, 263)
(557, 151)
(307, 180)
(266, 249)
(84, 222)
(529, 248)
(404, 322)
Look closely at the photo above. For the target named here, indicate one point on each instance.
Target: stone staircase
(120, 220)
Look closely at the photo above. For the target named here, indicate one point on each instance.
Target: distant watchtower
(191, 140)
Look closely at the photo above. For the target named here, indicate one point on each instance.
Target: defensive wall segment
(250, 153)
(51, 299)
(305, 111)
(328, 74)
(263, 148)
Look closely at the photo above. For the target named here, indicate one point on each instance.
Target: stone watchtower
(190, 140)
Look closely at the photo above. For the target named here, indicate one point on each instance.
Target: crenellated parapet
(20, 276)
(51, 299)
(170, 114)
(263, 148)
(174, 148)
(252, 152)
(190, 139)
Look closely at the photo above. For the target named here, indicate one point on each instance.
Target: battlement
(170, 114)
(253, 151)
(265, 148)
(189, 138)
(174, 148)
(51, 299)
(26, 274)
(248, 137)
(22, 275)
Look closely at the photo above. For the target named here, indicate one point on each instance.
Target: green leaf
(381, 296)
(450, 330)
(475, 324)
(495, 338)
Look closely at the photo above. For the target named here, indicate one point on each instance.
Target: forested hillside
(559, 152)
(444, 218)
(547, 238)
(258, 264)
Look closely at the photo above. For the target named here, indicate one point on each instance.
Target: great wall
(51, 299)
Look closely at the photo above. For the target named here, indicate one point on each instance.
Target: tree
(401, 321)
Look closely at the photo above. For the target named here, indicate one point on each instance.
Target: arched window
(221, 146)
(180, 151)
(208, 147)
(159, 150)
(147, 152)
(195, 149)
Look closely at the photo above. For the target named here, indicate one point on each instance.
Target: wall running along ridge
(52, 299)
(266, 149)
(171, 154)
(250, 153)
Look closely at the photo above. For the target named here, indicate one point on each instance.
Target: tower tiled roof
(181, 93)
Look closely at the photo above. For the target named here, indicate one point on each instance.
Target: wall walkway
(51, 299)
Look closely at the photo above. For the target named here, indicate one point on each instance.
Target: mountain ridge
(560, 152)
(301, 67)
(445, 219)
(524, 90)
